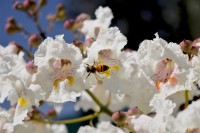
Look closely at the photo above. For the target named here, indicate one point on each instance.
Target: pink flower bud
(196, 43)
(69, 24)
(14, 47)
(134, 111)
(79, 44)
(18, 6)
(83, 17)
(80, 19)
(186, 46)
(31, 68)
(11, 20)
(89, 41)
(29, 5)
(10, 28)
(34, 40)
(119, 117)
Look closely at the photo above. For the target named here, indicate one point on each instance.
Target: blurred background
(173, 20)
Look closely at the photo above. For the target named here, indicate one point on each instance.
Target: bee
(104, 64)
(100, 68)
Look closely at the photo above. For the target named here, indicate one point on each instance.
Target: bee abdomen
(102, 68)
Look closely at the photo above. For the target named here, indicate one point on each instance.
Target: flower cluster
(158, 83)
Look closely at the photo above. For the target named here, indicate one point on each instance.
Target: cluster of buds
(121, 118)
(75, 24)
(12, 26)
(59, 15)
(190, 48)
(29, 5)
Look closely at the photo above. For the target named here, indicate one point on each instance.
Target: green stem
(103, 108)
(186, 98)
(70, 121)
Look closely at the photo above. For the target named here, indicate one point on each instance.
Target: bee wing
(163, 71)
(105, 57)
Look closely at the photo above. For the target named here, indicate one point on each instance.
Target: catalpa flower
(103, 19)
(57, 63)
(26, 99)
(187, 120)
(28, 126)
(165, 66)
(105, 62)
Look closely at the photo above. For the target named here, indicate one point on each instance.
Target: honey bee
(100, 68)
(104, 64)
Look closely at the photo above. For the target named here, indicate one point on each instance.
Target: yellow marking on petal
(56, 82)
(173, 80)
(23, 102)
(70, 80)
(158, 85)
(107, 73)
(115, 68)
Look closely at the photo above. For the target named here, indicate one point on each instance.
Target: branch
(103, 108)
(70, 121)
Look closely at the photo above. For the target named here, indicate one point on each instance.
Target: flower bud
(42, 3)
(186, 46)
(89, 41)
(13, 47)
(18, 6)
(31, 68)
(69, 24)
(83, 17)
(11, 20)
(119, 118)
(60, 12)
(134, 111)
(34, 40)
(10, 28)
(29, 5)
(80, 19)
(79, 44)
(51, 113)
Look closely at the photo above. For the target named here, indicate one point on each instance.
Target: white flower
(103, 19)
(109, 62)
(57, 64)
(159, 123)
(35, 127)
(166, 67)
(103, 127)
(187, 119)
(9, 62)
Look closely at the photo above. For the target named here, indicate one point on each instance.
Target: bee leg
(88, 75)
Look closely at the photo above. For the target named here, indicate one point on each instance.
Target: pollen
(107, 73)
(70, 80)
(116, 68)
(158, 85)
(23, 102)
(173, 80)
(56, 82)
